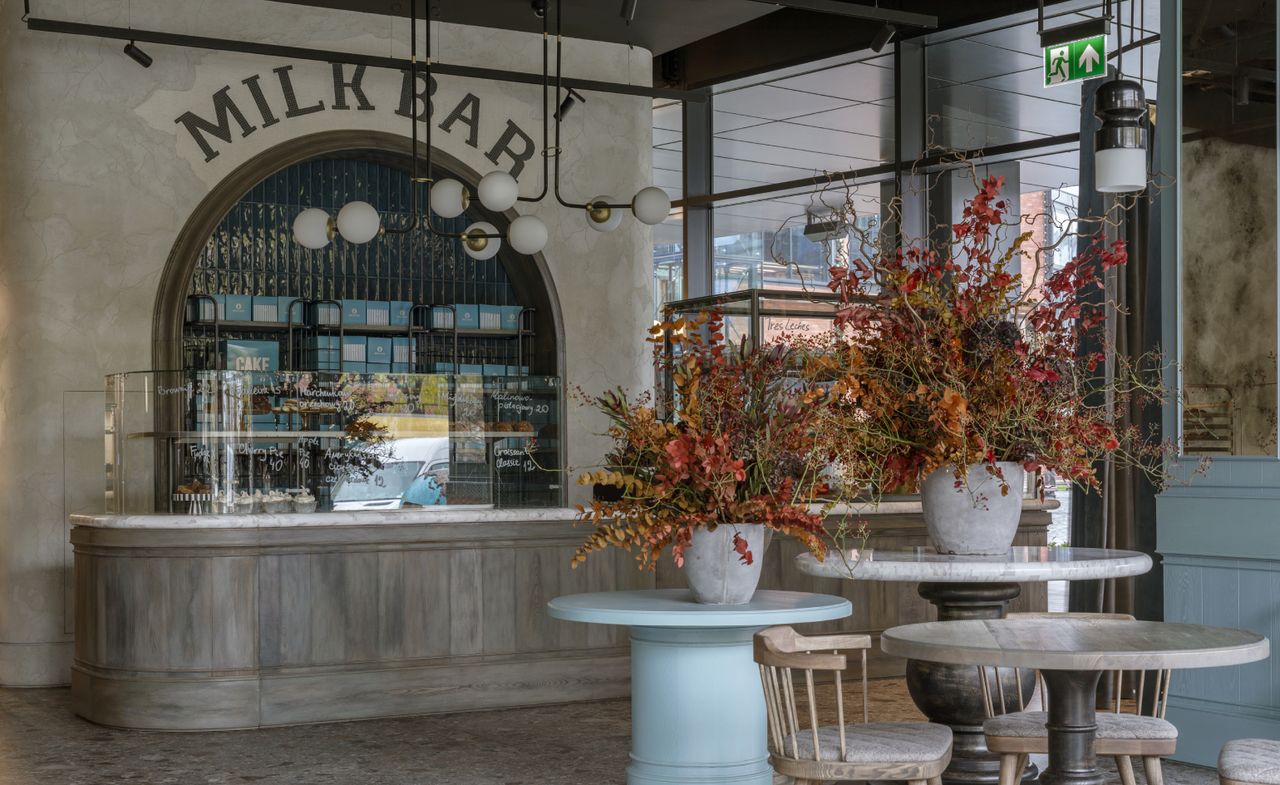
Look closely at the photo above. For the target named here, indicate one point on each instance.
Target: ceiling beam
(857, 11)
(350, 58)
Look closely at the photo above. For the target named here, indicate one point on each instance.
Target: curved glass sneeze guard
(240, 442)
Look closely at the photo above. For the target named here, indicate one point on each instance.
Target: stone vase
(974, 519)
(715, 572)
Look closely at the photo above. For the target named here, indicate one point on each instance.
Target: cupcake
(243, 504)
(304, 502)
(276, 501)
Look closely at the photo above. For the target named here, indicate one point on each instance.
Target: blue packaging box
(203, 309)
(266, 309)
(443, 368)
(353, 367)
(471, 369)
(400, 350)
(377, 367)
(322, 353)
(517, 370)
(401, 313)
(238, 308)
(378, 351)
(377, 313)
(490, 317)
(401, 368)
(299, 309)
(441, 318)
(326, 313)
(257, 356)
(494, 370)
(511, 316)
(353, 311)
(354, 349)
(468, 316)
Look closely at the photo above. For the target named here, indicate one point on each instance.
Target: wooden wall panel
(428, 613)
(308, 624)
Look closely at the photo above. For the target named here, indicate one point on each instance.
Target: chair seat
(1251, 760)
(877, 742)
(1030, 725)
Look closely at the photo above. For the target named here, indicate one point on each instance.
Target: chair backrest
(780, 651)
(993, 692)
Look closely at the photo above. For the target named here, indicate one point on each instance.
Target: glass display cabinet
(231, 442)
(763, 315)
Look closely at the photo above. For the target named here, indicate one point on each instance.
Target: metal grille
(252, 252)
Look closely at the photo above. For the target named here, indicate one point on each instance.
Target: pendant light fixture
(650, 205)
(497, 191)
(1120, 145)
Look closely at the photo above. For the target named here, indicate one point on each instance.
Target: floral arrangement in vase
(738, 455)
(955, 375)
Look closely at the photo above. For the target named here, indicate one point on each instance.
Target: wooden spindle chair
(1013, 733)
(810, 752)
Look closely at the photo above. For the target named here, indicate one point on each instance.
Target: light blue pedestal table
(697, 710)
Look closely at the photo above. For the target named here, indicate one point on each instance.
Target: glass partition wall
(794, 147)
(275, 442)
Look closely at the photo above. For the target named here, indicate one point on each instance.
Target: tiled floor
(43, 743)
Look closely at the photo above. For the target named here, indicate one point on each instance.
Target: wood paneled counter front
(204, 622)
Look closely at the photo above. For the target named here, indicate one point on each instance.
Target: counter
(196, 622)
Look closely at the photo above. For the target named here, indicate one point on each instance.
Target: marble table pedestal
(1071, 654)
(697, 707)
(967, 588)
(952, 694)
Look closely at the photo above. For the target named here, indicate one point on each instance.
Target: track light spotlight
(629, 10)
(572, 98)
(884, 37)
(140, 57)
(539, 7)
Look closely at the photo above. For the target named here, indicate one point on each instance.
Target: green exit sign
(1075, 60)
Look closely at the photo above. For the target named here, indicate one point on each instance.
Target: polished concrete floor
(43, 743)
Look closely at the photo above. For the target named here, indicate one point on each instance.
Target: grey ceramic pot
(974, 519)
(715, 572)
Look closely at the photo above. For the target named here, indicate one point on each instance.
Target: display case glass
(274, 442)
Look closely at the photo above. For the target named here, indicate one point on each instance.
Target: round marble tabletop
(1020, 564)
(1075, 644)
(676, 608)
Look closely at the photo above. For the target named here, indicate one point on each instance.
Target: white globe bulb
(358, 222)
(481, 248)
(498, 191)
(311, 229)
(651, 205)
(527, 234)
(448, 198)
(604, 219)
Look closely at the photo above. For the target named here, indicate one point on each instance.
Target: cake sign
(277, 100)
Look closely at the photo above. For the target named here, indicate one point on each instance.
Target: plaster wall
(97, 179)
(1229, 285)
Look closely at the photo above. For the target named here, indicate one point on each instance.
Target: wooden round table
(1071, 654)
(697, 707)
(970, 588)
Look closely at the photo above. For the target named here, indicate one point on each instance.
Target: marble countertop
(419, 515)
(1075, 644)
(352, 518)
(676, 608)
(1022, 563)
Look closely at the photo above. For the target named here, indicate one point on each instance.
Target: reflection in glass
(1228, 191)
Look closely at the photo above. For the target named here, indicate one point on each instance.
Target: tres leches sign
(262, 102)
(1075, 61)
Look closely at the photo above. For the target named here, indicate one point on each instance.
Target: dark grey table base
(952, 694)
